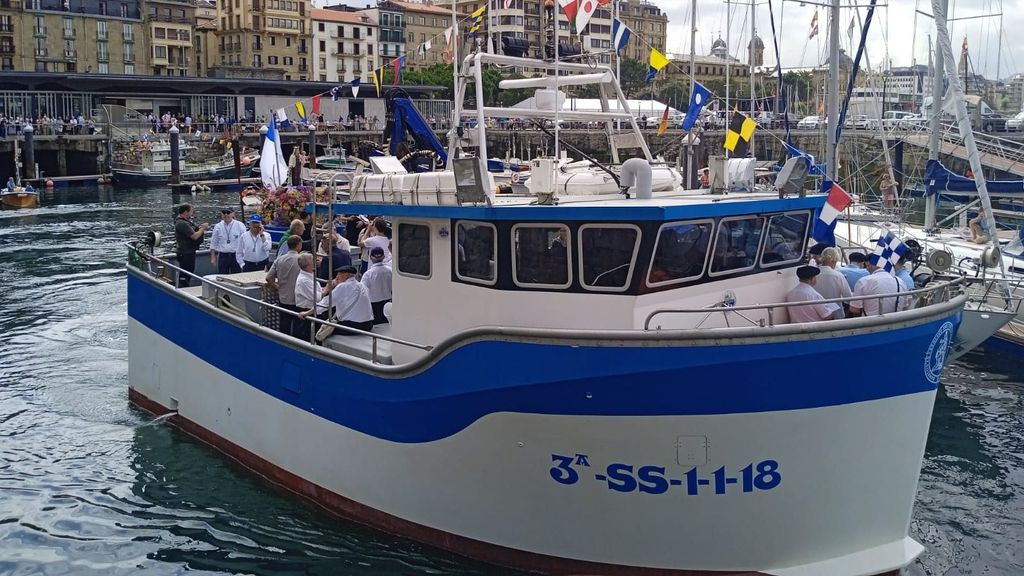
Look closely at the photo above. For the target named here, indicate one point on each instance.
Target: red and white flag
(569, 7)
(586, 10)
(814, 25)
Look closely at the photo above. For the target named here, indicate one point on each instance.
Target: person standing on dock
(253, 252)
(224, 242)
(187, 238)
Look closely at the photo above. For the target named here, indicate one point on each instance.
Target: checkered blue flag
(887, 252)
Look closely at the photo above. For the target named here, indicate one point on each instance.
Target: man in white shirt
(805, 292)
(877, 282)
(350, 301)
(253, 252)
(377, 280)
(281, 277)
(831, 283)
(307, 291)
(224, 242)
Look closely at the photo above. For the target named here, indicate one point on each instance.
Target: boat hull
(584, 458)
(143, 178)
(20, 199)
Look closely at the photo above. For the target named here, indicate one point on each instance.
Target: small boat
(148, 164)
(336, 159)
(19, 197)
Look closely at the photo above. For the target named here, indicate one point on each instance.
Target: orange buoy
(49, 183)
(246, 161)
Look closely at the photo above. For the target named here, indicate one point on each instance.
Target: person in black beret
(805, 292)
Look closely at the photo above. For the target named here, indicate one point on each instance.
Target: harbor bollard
(263, 135)
(312, 146)
(175, 156)
(29, 164)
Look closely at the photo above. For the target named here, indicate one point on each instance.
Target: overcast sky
(892, 32)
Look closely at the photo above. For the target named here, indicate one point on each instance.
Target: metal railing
(219, 288)
(940, 292)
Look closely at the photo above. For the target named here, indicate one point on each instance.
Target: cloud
(892, 28)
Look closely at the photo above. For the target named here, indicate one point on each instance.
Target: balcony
(6, 48)
(6, 28)
(39, 31)
(69, 34)
(303, 68)
(103, 57)
(341, 68)
(255, 46)
(102, 35)
(40, 52)
(70, 55)
(129, 38)
(129, 58)
(303, 50)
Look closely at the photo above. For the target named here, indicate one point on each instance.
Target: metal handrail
(770, 308)
(147, 257)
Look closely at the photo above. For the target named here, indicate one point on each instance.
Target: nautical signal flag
(620, 35)
(316, 105)
(398, 64)
(825, 223)
(355, 87)
(741, 130)
(478, 19)
(336, 92)
(583, 14)
(657, 62)
(301, 110)
(570, 7)
(888, 252)
(378, 79)
(814, 25)
(663, 126)
(698, 97)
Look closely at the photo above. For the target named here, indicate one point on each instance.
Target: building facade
(98, 36)
(172, 33)
(205, 36)
(649, 25)
(267, 39)
(390, 17)
(344, 45)
(424, 23)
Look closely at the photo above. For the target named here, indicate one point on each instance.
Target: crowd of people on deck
(874, 289)
(324, 283)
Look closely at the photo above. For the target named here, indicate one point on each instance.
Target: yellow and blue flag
(658, 61)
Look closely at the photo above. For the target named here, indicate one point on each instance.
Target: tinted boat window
(606, 256)
(736, 244)
(681, 252)
(541, 255)
(413, 249)
(475, 252)
(786, 236)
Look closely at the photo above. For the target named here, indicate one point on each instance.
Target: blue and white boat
(585, 383)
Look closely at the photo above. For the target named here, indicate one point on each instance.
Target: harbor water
(91, 485)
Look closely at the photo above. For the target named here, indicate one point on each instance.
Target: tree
(434, 75)
(675, 93)
(631, 77)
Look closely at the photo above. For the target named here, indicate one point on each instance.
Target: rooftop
(343, 17)
(424, 7)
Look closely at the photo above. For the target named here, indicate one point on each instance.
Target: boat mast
(750, 63)
(456, 92)
(693, 87)
(832, 158)
(728, 58)
(964, 124)
(935, 121)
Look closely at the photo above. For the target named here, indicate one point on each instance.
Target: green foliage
(631, 77)
(434, 75)
(675, 93)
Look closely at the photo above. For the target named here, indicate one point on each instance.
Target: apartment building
(269, 39)
(101, 36)
(205, 36)
(344, 45)
(390, 17)
(171, 27)
(424, 22)
(649, 25)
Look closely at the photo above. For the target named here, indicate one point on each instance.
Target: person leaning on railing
(804, 291)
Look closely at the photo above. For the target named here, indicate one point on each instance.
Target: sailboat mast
(934, 122)
(750, 63)
(693, 86)
(728, 59)
(832, 158)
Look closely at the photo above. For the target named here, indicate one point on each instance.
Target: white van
(892, 118)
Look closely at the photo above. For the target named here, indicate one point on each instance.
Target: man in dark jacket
(187, 238)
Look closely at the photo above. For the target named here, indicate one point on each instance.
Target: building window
(124, 10)
(159, 33)
(607, 254)
(320, 26)
(681, 252)
(323, 46)
(475, 252)
(160, 52)
(736, 244)
(103, 68)
(129, 69)
(540, 255)
(413, 250)
(785, 242)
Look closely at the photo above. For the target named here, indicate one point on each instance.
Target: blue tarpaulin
(938, 179)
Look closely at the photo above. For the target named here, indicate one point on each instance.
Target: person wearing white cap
(377, 280)
(253, 252)
(224, 242)
(804, 291)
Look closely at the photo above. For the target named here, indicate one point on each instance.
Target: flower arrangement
(285, 204)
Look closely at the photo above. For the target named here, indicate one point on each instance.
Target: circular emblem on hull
(935, 357)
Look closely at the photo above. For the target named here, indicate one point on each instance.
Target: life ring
(515, 177)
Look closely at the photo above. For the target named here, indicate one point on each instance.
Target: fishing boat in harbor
(571, 382)
(149, 164)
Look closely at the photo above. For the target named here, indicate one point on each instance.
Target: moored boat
(598, 383)
(19, 198)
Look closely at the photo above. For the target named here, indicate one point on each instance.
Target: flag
(741, 130)
(583, 14)
(426, 46)
(850, 30)
(316, 105)
(449, 32)
(336, 92)
(508, 4)
(422, 50)
(569, 7)
(282, 117)
(620, 35)
(794, 151)
(301, 110)
(478, 19)
(397, 64)
(378, 79)
(814, 25)
(355, 87)
(273, 168)
(658, 61)
(663, 126)
(825, 223)
(887, 252)
(698, 98)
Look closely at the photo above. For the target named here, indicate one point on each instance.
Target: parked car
(992, 123)
(892, 119)
(1016, 124)
(913, 122)
(810, 123)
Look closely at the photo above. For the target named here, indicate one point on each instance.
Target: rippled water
(89, 486)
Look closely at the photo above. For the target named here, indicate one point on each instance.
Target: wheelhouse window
(681, 253)
(786, 236)
(475, 252)
(736, 244)
(540, 255)
(607, 254)
(413, 254)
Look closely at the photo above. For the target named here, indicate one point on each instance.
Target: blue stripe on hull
(487, 377)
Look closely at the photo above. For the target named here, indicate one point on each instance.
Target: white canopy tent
(542, 100)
